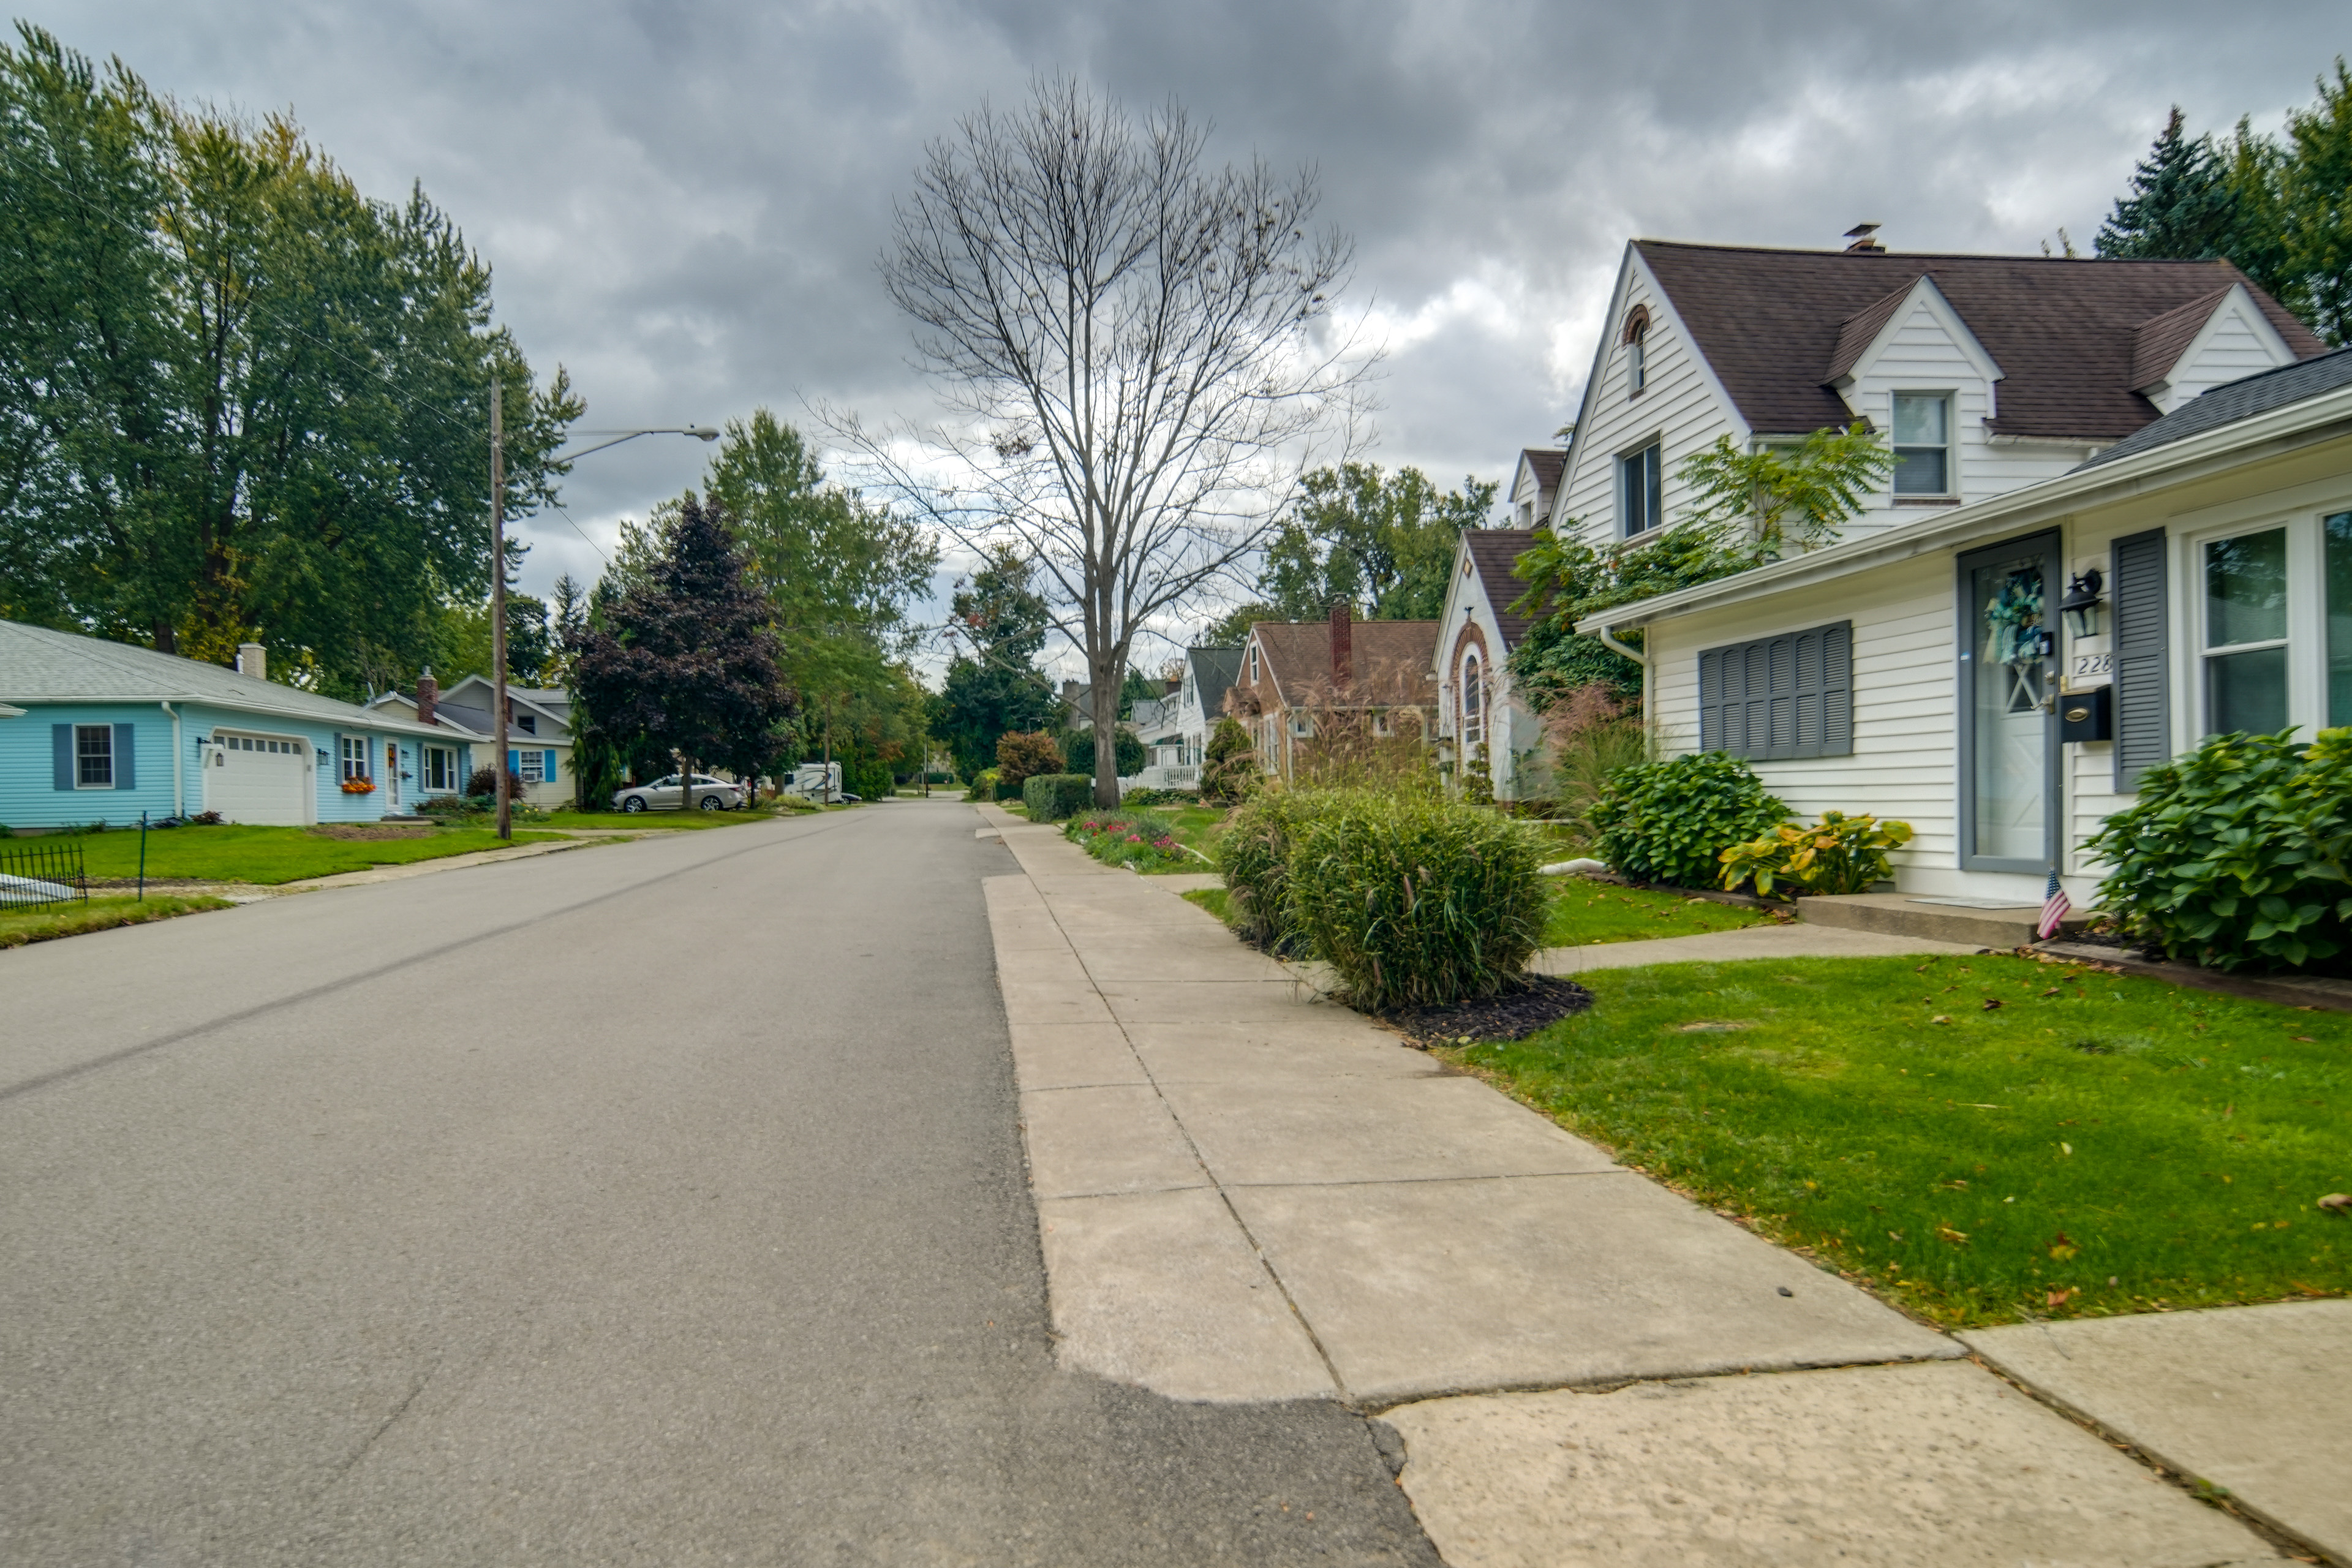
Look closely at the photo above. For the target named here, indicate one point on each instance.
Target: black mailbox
(2086, 715)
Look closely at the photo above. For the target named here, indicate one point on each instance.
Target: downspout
(1608, 636)
(179, 794)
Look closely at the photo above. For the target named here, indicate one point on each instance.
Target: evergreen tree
(686, 661)
(2180, 205)
(2317, 210)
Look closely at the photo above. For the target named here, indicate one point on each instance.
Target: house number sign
(2094, 664)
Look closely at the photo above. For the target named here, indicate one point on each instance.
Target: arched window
(1637, 349)
(1474, 706)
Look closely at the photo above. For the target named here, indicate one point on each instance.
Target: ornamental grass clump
(1670, 822)
(1417, 902)
(2234, 856)
(1254, 854)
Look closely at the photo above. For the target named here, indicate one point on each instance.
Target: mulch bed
(1534, 1002)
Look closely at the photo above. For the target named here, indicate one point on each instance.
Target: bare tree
(1138, 350)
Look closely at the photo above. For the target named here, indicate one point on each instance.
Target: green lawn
(1216, 901)
(1584, 911)
(1196, 827)
(18, 927)
(273, 855)
(635, 821)
(1979, 1138)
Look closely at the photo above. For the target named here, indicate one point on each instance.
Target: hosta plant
(1839, 854)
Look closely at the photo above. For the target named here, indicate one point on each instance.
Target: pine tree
(2181, 205)
(687, 660)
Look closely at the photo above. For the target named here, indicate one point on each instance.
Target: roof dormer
(1913, 324)
(2220, 337)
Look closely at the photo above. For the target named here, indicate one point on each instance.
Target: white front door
(261, 779)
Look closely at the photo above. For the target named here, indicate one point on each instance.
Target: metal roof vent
(1862, 236)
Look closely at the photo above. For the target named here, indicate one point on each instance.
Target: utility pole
(499, 603)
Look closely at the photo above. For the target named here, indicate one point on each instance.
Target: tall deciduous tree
(686, 660)
(1135, 342)
(1384, 543)
(994, 684)
(239, 399)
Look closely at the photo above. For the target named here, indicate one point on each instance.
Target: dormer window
(1923, 444)
(526, 723)
(1637, 350)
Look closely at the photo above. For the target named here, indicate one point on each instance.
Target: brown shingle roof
(2063, 331)
(1393, 667)
(1548, 463)
(1493, 551)
(2159, 342)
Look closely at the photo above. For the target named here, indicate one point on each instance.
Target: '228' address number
(2094, 664)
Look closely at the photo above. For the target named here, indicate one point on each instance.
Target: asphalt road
(658, 1203)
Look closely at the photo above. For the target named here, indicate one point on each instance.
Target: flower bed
(1140, 839)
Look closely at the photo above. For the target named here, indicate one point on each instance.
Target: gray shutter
(1781, 696)
(1837, 690)
(126, 758)
(61, 748)
(2143, 695)
(1710, 700)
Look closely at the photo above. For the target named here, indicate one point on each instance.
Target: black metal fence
(41, 874)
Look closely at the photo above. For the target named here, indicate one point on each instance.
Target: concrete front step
(1903, 914)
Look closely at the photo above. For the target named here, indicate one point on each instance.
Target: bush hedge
(1022, 754)
(1054, 797)
(1670, 822)
(1415, 901)
(2234, 856)
(1255, 856)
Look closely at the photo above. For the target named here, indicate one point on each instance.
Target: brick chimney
(1343, 644)
(253, 660)
(429, 694)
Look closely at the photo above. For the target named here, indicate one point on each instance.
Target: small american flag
(2055, 908)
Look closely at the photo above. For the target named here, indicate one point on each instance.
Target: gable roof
(1391, 664)
(1774, 324)
(1493, 553)
(2159, 342)
(2235, 400)
(38, 665)
(1547, 463)
(1214, 670)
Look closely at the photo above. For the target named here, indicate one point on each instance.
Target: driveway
(659, 1203)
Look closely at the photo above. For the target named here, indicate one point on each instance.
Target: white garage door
(258, 778)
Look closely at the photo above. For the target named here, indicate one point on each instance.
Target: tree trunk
(1104, 700)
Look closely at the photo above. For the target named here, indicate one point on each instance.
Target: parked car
(662, 794)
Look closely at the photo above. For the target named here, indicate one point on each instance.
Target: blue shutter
(126, 765)
(62, 753)
(514, 760)
(547, 770)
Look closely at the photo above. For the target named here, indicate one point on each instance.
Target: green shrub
(1255, 856)
(1230, 770)
(1416, 902)
(1670, 822)
(1078, 751)
(1051, 798)
(984, 785)
(1020, 755)
(2233, 856)
(1839, 854)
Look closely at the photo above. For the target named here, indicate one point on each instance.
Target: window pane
(2339, 618)
(1919, 422)
(2246, 692)
(1651, 516)
(2246, 590)
(94, 756)
(1919, 472)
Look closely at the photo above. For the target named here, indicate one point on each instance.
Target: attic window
(1923, 444)
(1637, 349)
(526, 723)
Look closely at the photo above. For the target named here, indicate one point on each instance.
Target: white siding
(2237, 341)
(1682, 404)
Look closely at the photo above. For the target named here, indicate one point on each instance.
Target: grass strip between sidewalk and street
(18, 927)
(1981, 1139)
(269, 855)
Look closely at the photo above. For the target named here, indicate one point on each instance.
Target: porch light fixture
(2082, 603)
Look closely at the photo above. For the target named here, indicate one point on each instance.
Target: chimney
(253, 660)
(1864, 236)
(1070, 692)
(1343, 644)
(429, 694)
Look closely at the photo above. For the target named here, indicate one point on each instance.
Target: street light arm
(699, 432)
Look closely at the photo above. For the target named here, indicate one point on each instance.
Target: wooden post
(499, 604)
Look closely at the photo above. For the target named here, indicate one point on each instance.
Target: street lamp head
(700, 432)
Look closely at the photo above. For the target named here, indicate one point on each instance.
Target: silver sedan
(662, 794)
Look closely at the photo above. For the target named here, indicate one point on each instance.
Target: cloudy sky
(683, 202)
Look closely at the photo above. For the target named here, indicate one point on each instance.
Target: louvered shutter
(126, 758)
(1781, 697)
(2143, 695)
(61, 756)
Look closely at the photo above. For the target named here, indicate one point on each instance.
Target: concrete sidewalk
(1249, 1194)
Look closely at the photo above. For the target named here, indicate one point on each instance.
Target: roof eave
(2317, 418)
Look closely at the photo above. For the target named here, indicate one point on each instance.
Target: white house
(1480, 714)
(1209, 674)
(1985, 373)
(1922, 669)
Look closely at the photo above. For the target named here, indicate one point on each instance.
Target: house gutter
(2307, 423)
(1649, 668)
(179, 791)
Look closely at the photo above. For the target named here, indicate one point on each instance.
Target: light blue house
(94, 731)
